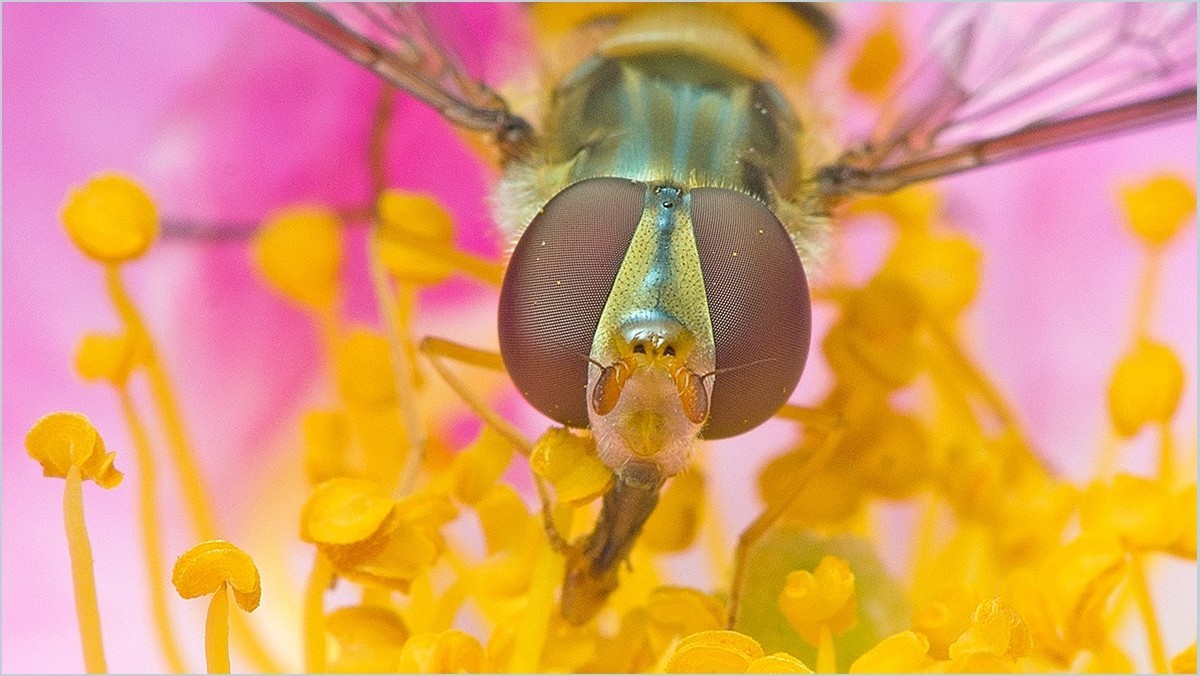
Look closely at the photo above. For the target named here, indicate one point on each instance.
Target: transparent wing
(400, 44)
(1006, 80)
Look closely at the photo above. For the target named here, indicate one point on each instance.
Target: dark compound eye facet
(555, 288)
(759, 304)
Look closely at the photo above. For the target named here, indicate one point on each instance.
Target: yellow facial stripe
(660, 277)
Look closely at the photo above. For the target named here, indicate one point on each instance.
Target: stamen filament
(164, 399)
(826, 653)
(403, 370)
(535, 622)
(965, 368)
(447, 606)
(1166, 460)
(195, 495)
(330, 322)
(1109, 450)
(1141, 592)
(1143, 307)
(152, 534)
(319, 580)
(216, 632)
(385, 298)
(716, 544)
(925, 535)
(406, 308)
(87, 608)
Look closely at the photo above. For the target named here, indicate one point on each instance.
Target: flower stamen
(68, 446)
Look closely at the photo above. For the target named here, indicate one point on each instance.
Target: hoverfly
(662, 216)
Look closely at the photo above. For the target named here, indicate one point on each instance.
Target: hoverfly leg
(439, 349)
(815, 420)
(593, 564)
(436, 350)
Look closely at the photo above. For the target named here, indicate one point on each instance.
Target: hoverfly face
(654, 314)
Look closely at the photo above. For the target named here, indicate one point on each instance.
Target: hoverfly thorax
(657, 298)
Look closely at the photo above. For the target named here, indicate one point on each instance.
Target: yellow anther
(906, 652)
(326, 446)
(1062, 601)
(429, 509)
(824, 597)
(673, 525)
(569, 462)
(411, 263)
(60, 441)
(344, 511)
(778, 663)
(1145, 387)
(944, 270)
(480, 465)
(996, 630)
(714, 652)
(878, 61)
(210, 568)
(412, 227)
(449, 652)
(897, 459)
(912, 209)
(505, 575)
(881, 322)
(886, 311)
(207, 567)
(674, 612)
(1185, 662)
(369, 639)
(1159, 208)
(111, 218)
(1111, 659)
(406, 215)
(103, 356)
(392, 560)
(1141, 512)
(1033, 511)
(502, 516)
(829, 496)
(370, 538)
(943, 619)
(299, 251)
(364, 369)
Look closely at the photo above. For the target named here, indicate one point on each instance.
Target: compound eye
(556, 285)
(759, 305)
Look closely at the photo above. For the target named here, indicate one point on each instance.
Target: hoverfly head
(655, 315)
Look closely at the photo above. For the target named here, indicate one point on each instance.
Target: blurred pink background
(224, 113)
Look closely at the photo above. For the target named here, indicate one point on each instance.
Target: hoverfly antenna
(729, 369)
